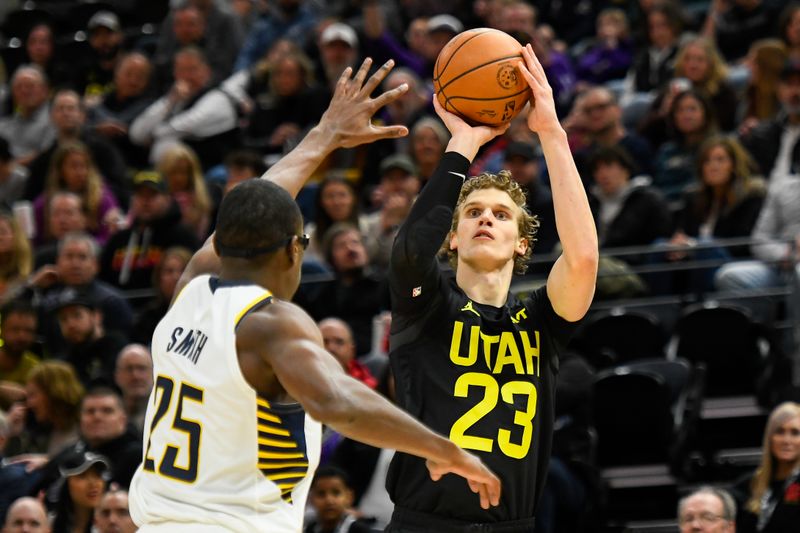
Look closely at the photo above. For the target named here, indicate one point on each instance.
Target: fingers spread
(378, 77)
(389, 96)
(361, 75)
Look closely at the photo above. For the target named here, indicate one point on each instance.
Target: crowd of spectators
(119, 139)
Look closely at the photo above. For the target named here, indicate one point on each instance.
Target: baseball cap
(445, 23)
(78, 462)
(521, 149)
(150, 178)
(104, 19)
(339, 31)
(790, 68)
(399, 161)
(71, 296)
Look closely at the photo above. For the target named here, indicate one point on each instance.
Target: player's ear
(522, 246)
(453, 240)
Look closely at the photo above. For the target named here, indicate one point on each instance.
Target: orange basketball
(476, 77)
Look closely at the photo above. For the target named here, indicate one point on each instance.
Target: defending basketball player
(232, 433)
(470, 359)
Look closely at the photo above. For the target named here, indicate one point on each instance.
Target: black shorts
(405, 521)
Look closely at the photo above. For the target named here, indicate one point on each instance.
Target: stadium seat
(619, 337)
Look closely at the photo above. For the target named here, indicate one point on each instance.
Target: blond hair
(91, 195)
(63, 390)
(178, 153)
(763, 477)
(20, 262)
(527, 224)
(717, 71)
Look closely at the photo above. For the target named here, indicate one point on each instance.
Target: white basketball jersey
(215, 453)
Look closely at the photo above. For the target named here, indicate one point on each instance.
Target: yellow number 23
(492, 391)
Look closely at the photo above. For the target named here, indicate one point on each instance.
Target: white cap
(445, 23)
(339, 32)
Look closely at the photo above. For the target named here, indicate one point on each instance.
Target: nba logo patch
(416, 291)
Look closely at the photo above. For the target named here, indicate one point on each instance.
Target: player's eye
(501, 215)
(474, 212)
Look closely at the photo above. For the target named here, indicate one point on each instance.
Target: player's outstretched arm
(346, 123)
(287, 339)
(571, 283)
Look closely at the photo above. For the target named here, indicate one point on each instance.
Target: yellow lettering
(520, 315)
(455, 345)
(488, 340)
(508, 354)
(530, 352)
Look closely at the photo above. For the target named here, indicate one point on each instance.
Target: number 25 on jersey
(168, 463)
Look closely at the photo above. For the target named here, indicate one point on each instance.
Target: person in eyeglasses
(232, 434)
(707, 510)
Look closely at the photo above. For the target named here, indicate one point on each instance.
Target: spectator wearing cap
(338, 47)
(12, 175)
(96, 68)
(28, 129)
(192, 111)
(205, 25)
(775, 142)
(396, 192)
(130, 255)
(293, 20)
(441, 29)
(68, 121)
(84, 476)
(523, 160)
(76, 268)
(87, 346)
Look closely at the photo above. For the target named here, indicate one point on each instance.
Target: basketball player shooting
(471, 360)
(232, 434)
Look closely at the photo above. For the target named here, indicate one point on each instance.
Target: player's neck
(236, 273)
(488, 287)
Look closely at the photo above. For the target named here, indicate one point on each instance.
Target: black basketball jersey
(480, 375)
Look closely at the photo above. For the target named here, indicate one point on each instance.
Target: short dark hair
(256, 214)
(330, 471)
(607, 155)
(102, 388)
(246, 159)
(17, 306)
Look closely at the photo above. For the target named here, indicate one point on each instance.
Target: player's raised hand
(349, 116)
(481, 480)
(542, 116)
(466, 139)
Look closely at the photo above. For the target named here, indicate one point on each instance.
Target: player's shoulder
(278, 319)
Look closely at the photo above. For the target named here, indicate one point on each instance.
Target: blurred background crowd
(124, 123)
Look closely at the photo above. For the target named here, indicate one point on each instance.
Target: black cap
(71, 296)
(78, 462)
(790, 68)
(399, 161)
(150, 178)
(521, 149)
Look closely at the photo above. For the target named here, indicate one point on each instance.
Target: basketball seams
(453, 53)
(476, 99)
(478, 67)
